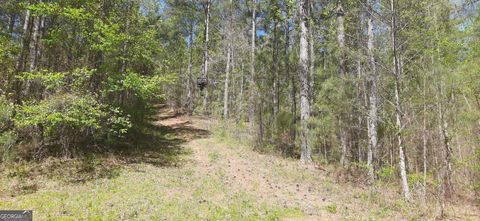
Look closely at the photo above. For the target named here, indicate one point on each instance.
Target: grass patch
(213, 156)
(156, 194)
(332, 208)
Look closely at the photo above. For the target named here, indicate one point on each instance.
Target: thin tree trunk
(341, 64)
(291, 77)
(233, 90)
(189, 77)
(205, 54)
(447, 179)
(20, 63)
(398, 110)
(372, 98)
(275, 92)
(447, 186)
(242, 85)
(25, 41)
(424, 138)
(341, 38)
(253, 92)
(304, 84)
(311, 53)
(361, 88)
(227, 68)
(33, 51)
(225, 92)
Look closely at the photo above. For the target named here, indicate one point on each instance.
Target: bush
(7, 137)
(386, 173)
(415, 179)
(80, 107)
(5, 113)
(68, 120)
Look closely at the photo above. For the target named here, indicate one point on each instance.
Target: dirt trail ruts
(245, 170)
(286, 183)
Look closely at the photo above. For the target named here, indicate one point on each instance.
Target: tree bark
(189, 103)
(342, 69)
(241, 97)
(34, 47)
(20, 63)
(291, 77)
(225, 91)
(447, 177)
(253, 92)
(311, 53)
(275, 89)
(25, 42)
(398, 109)
(205, 54)
(227, 68)
(424, 138)
(341, 38)
(372, 120)
(304, 84)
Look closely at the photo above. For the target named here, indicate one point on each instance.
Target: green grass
(153, 179)
(331, 208)
(213, 156)
(161, 179)
(155, 194)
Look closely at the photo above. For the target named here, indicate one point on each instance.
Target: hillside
(193, 172)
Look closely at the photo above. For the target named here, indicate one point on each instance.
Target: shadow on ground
(159, 145)
(149, 143)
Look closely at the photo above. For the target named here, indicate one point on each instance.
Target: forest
(374, 99)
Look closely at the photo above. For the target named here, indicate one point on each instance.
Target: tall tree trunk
(304, 84)
(364, 97)
(227, 68)
(275, 64)
(25, 41)
(398, 108)
(253, 89)
(342, 69)
(447, 176)
(255, 106)
(424, 138)
(205, 54)
(189, 103)
(447, 185)
(20, 64)
(225, 91)
(241, 97)
(311, 53)
(34, 47)
(291, 77)
(341, 38)
(372, 120)
(275, 89)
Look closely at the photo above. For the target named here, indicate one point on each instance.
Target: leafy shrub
(476, 173)
(7, 137)
(144, 87)
(415, 179)
(81, 107)
(53, 82)
(7, 141)
(5, 112)
(386, 173)
(69, 119)
(135, 93)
